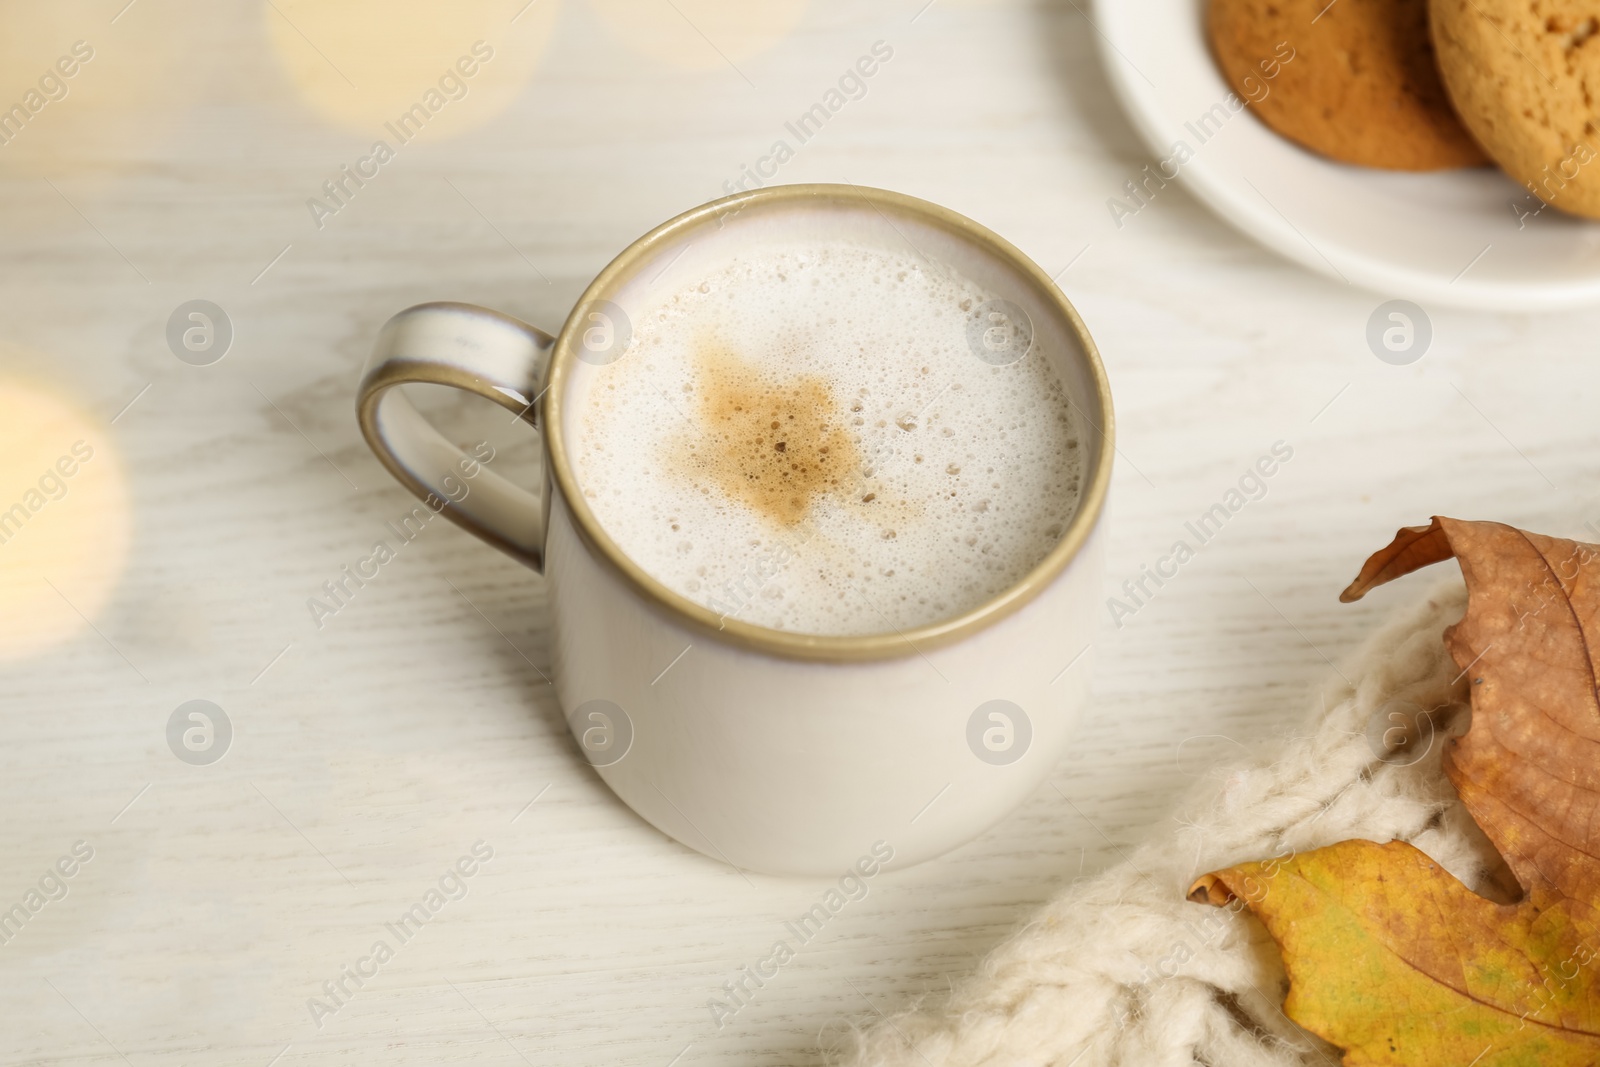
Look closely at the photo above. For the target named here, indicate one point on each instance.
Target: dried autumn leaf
(1388, 955)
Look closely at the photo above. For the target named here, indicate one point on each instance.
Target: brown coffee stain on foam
(777, 444)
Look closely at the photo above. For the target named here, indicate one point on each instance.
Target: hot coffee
(807, 437)
(867, 432)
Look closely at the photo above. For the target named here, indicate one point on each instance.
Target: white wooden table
(369, 754)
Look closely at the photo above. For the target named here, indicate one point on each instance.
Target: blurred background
(204, 152)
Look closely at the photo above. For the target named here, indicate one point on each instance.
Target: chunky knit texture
(1120, 970)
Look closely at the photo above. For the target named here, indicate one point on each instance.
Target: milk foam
(803, 439)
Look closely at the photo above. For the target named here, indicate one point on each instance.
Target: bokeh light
(92, 90)
(700, 34)
(64, 519)
(364, 63)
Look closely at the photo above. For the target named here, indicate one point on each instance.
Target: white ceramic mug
(769, 750)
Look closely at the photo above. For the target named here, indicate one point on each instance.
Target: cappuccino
(807, 437)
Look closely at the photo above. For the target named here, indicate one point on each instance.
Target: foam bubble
(802, 438)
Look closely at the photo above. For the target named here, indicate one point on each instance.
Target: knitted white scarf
(1119, 970)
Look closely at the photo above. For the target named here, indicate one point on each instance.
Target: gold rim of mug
(824, 647)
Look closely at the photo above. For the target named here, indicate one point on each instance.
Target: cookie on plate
(1520, 78)
(1354, 80)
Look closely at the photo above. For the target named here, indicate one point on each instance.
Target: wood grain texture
(377, 749)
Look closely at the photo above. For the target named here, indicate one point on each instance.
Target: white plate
(1451, 237)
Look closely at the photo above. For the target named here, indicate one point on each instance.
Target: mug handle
(480, 351)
